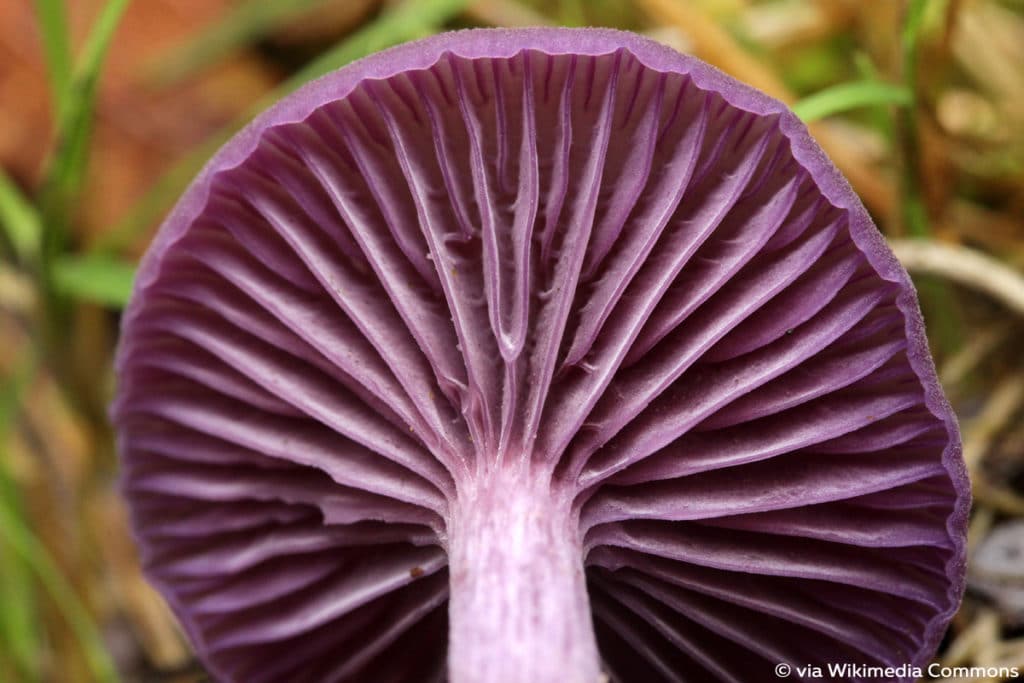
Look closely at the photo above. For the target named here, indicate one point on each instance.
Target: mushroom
(535, 355)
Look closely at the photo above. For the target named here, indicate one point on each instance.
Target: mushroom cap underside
(568, 252)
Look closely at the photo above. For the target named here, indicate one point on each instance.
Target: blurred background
(108, 108)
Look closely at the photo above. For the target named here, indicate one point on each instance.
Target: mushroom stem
(519, 609)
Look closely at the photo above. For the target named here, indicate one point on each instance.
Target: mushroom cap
(573, 251)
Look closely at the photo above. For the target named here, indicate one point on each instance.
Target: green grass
(406, 21)
(19, 220)
(53, 28)
(936, 295)
(18, 538)
(242, 25)
(97, 278)
(848, 96)
(66, 167)
(37, 236)
(24, 559)
(19, 622)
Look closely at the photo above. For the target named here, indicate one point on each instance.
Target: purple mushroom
(535, 356)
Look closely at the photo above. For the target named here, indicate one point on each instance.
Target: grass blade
(17, 535)
(243, 24)
(407, 21)
(100, 35)
(65, 173)
(937, 297)
(97, 278)
(53, 27)
(74, 123)
(846, 96)
(19, 622)
(20, 544)
(19, 220)
(914, 215)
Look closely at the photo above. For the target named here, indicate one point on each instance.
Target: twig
(1011, 653)
(964, 266)
(1002, 404)
(963, 648)
(1003, 500)
(974, 352)
(981, 523)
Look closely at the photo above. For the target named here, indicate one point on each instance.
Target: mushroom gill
(530, 356)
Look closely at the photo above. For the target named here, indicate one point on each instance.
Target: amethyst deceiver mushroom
(535, 356)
